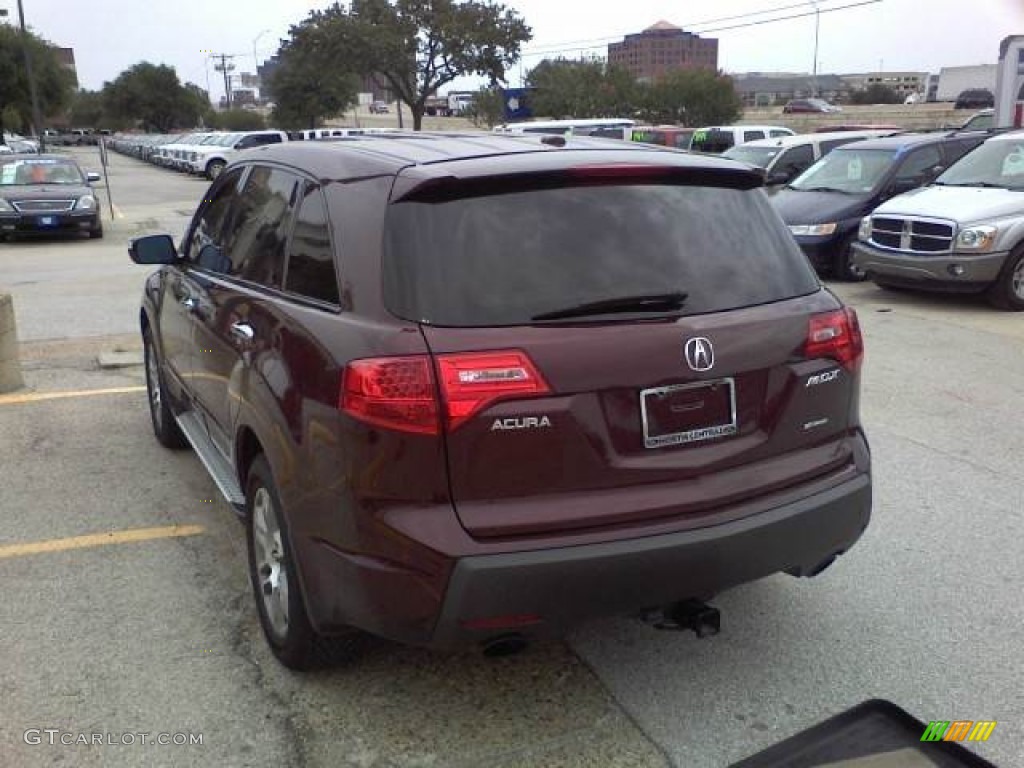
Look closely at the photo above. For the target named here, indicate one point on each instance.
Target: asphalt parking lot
(149, 626)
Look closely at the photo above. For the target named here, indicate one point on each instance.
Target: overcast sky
(921, 35)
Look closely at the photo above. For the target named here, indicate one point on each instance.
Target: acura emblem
(700, 355)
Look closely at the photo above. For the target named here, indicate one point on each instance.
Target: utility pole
(37, 122)
(227, 68)
(817, 22)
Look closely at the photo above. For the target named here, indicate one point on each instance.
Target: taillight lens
(472, 381)
(398, 392)
(393, 392)
(836, 335)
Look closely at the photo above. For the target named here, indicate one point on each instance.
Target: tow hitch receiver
(696, 615)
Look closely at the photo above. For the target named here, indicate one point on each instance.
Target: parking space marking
(117, 211)
(34, 397)
(99, 540)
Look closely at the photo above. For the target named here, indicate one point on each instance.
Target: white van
(715, 139)
(785, 158)
(583, 127)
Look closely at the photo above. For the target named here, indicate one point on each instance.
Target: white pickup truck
(964, 233)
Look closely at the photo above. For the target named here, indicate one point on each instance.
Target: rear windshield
(503, 259)
(714, 142)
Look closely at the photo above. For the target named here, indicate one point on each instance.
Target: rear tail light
(836, 335)
(398, 392)
(393, 392)
(472, 381)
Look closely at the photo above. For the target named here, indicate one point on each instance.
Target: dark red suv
(466, 388)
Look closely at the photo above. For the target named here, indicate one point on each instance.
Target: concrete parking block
(115, 359)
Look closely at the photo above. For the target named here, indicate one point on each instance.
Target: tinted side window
(776, 134)
(254, 244)
(796, 159)
(752, 135)
(258, 140)
(211, 220)
(918, 163)
(311, 270)
(957, 149)
(828, 146)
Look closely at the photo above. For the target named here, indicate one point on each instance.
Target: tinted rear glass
(502, 259)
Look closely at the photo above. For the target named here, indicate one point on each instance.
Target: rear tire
(1007, 292)
(844, 268)
(273, 574)
(165, 426)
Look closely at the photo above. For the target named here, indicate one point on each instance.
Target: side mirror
(777, 177)
(153, 249)
(92, 176)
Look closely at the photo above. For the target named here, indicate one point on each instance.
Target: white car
(211, 158)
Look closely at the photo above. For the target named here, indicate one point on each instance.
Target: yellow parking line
(34, 397)
(99, 540)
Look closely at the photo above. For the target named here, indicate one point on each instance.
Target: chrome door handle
(189, 303)
(243, 331)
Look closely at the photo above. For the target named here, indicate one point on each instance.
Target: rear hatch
(614, 346)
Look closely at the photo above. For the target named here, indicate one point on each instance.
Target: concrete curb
(10, 366)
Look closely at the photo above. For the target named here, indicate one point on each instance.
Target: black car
(47, 194)
(824, 205)
(975, 98)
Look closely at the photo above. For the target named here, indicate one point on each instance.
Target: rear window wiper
(657, 302)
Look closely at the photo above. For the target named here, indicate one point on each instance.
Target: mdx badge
(699, 353)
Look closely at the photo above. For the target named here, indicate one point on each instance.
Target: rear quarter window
(502, 259)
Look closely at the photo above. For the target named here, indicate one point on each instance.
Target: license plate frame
(696, 435)
(46, 222)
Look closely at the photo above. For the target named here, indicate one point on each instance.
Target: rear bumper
(562, 587)
(938, 272)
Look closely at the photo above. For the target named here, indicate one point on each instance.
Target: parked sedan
(47, 194)
(797, 106)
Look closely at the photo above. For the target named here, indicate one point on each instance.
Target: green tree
(151, 95)
(88, 110)
(488, 107)
(692, 97)
(54, 83)
(876, 93)
(237, 120)
(416, 47)
(313, 80)
(582, 88)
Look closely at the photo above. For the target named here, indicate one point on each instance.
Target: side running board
(219, 468)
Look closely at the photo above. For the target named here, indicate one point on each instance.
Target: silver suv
(963, 234)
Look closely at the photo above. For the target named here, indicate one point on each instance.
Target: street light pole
(256, 62)
(817, 21)
(37, 122)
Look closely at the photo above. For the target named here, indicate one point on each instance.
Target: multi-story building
(663, 48)
(903, 83)
(767, 89)
(955, 80)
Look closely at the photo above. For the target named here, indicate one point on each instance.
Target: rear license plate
(688, 413)
(47, 221)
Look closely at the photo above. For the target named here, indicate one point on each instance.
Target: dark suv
(823, 206)
(466, 389)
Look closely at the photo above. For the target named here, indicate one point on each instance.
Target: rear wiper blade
(658, 302)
